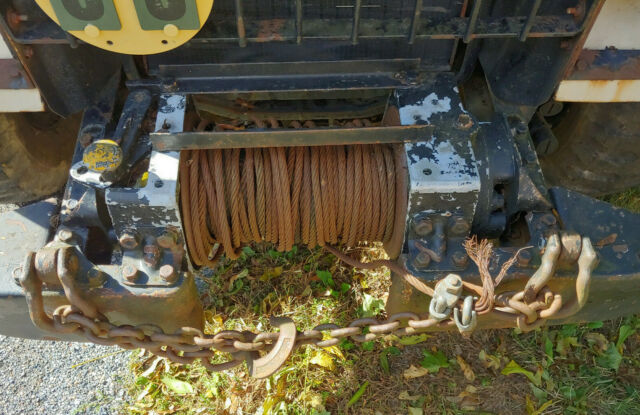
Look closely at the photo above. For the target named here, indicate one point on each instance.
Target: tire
(35, 154)
(599, 148)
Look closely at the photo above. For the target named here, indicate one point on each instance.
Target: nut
(65, 235)
(168, 239)
(168, 273)
(151, 254)
(423, 227)
(422, 260)
(130, 273)
(521, 127)
(524, 258)
(460, 226)
(128, 239)
(460, 259)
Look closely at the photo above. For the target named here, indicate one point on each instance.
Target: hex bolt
(130, 273)
(460, 226)
(453, 284)
(460, 259)
(422, 260)
(464, 122)
(151, 254)
(168, 239)
(524, 258)
(423, 227)
(128, 239)
(65, 235)
(168, 273)
(521, 127)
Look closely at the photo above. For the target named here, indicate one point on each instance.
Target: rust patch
(607, 240)
(270, 30)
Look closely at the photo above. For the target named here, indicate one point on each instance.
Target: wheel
(599, 148)
(35, 154)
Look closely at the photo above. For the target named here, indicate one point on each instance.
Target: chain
(190, 344)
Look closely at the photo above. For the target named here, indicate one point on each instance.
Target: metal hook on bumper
(587, 262)
(269, 364)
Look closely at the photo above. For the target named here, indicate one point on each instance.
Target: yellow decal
(131, 38)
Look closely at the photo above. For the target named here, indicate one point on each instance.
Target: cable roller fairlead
(156, 25)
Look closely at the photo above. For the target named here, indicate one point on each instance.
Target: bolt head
(168, 273)
(453, 281)
(460, 258)
(130, 273)
(422, 260)
(524, 258)
(521, 127)
(65, 235)
(167, 240)
(423, 227)
(128, 240)
(460, 226)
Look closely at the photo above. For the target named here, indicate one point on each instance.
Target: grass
(571, 369)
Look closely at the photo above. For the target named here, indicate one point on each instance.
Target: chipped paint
(440, 169)
(423, 110)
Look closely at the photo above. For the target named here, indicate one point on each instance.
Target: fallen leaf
(326, 278)
(611, 358)
(241, 274)
(415, 372)
(384, 357)
(598, 340)
(335, 350)
(323, 359)
(371, 306)
(404, 396)
(434, 361)
(356, 396)
(152, 367)
(414, 411)
(531, 408)
(177, 386)
(467, 400)
(565, 343)
(513, 368)
(411, 340)
(623, 334)
(466, 369)
(489, 361)
(271, 274)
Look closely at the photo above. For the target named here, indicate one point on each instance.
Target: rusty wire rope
(317, 196)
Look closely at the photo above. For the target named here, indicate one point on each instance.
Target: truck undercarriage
(418, 125)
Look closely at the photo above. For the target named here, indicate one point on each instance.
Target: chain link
(189, 344)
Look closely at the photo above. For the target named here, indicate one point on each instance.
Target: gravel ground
(38, 377)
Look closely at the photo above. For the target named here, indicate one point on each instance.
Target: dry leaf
(335, 350)
(598, 340)
(415, 411)
(466, 369)
(323, 359)
(415, 372)
(404, 396)
(489, 361)
(467, 400)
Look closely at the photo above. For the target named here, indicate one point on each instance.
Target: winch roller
(317, 196)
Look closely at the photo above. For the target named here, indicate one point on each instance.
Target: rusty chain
(190, 344)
